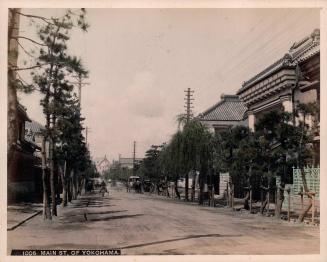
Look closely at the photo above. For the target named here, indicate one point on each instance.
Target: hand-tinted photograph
(149, 131)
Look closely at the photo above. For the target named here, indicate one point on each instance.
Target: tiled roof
(22, 112)
(299, 52)
(230, 108)
(31, 129)
(315, 49)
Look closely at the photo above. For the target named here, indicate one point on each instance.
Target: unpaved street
(143, 224)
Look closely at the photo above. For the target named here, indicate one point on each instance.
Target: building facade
(291, 80)
(128, 162)
(25, 182)
(102, 164)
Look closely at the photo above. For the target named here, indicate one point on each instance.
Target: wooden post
(268, 202)
(289, 205)
(227, 194)
(233, 197)
(261, 196)
(313, 209)
(276, 196)
(250, 200)
(301, 202)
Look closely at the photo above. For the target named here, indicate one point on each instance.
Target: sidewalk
(18, 214)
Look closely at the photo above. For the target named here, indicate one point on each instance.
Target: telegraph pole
(189, 114)
(80, 84)
(87, 130)
(134, 154)
(188, 103)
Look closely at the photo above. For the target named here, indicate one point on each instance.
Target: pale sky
(142, 60)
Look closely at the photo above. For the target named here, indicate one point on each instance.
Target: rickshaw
(134, 182)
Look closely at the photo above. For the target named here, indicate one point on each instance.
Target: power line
(254, 53)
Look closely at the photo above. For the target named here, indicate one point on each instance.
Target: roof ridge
(211, 108)
(289, 57)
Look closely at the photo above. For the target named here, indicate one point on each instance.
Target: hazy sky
(141, 61)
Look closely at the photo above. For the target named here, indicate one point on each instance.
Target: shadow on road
(178, 239)
(105, 212)
(114, 217)
(83, 206)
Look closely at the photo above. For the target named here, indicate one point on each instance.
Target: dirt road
(142, 224)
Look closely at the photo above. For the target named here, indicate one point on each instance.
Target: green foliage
(189, 149)
(270, 151)
(149, 168)
(60, 106)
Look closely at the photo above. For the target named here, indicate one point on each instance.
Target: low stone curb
(23, 221)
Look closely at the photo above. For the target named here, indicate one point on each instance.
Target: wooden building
(228, 112)
(292, 80)
(25, 182)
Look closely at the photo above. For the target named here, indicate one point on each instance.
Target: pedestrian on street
(103, 189)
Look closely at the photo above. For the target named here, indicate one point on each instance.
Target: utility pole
(189, 114)
(87, 130)
(134, 154)
(188, 104)
(80, 84)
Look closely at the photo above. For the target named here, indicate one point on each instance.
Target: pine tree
(53, 79)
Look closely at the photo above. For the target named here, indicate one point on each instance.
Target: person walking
(103, 188)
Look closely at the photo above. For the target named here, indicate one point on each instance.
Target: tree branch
(33, 41)
(28, 53)
(24, 83)
(46, 20)
(28, 68)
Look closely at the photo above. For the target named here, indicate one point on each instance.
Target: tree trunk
(261, 200)
(246, 200)
(176, 189)
(52, 182)
(12, 104)
(69, 186)
(279, 202)
(186, 186)
(200, 197)
(264, 204)
(74, 185)
(250, 200)
(46, 202)
(193, 187)
(268, 201)
(83, 186)
(57, 181)
(63, 174)
(232, 195)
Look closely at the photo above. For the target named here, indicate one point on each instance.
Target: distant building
(127, 162)
(228, 112)
(102, 164)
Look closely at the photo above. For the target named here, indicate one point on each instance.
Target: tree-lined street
(241, 177)
(143, 224)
